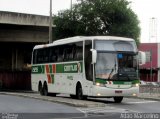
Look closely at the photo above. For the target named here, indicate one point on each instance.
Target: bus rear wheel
(118, 99)
(52, 94)
(45, 89)
(73, 96)
(40, 88)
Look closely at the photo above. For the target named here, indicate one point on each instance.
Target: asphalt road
(133, 105)
(27, 108)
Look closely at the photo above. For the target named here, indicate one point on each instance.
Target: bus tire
(40, 88)
(73, 96)
(45, 89)
(79, 92)
(52, 94)
(85, 97)
(118, 99)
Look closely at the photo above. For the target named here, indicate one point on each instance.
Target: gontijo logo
(76, 67)
(71, 67)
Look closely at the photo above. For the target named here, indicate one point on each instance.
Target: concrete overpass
(18, 27)
(19, 33)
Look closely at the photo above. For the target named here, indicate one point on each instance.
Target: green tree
(98, 17)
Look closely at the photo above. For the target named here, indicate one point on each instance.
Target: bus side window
(73, 52)
(42, 56)
(39, 56)
(60, 53)
(53, 55)
(67, 53)
(79, 51)
(88, 60)
(35, 57)
(45, 55)
(78, 55)
(70, 53)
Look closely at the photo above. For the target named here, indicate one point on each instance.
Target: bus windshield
(116, 60)
(116, 66)
(106, 65)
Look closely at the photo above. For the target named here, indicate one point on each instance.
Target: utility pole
(50, 23)
(151, 68)
(71, 5)
(71, 11)
(151, 65)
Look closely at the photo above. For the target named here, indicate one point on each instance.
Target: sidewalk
(73, 102)
(58, 99)
(149, 96)
(149, 92)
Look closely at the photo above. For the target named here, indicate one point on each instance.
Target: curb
(71, 102)
(68, 101)
(146, 98)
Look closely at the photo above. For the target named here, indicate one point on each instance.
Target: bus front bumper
(112, 92)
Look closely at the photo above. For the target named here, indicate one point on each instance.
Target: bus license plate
(118, 91)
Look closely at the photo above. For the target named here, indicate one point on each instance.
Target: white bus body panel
(111, 92)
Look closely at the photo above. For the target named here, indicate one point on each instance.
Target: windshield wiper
(110, 73)
(112, 70)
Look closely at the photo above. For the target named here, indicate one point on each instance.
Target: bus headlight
(100, 84)
(135, 85)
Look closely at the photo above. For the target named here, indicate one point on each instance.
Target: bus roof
(82, 38)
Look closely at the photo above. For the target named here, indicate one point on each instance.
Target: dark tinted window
(61, 53)
(42, 55)
(53, 54)
(35, 57)
(88, 60)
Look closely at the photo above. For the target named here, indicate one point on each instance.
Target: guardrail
(152, 89)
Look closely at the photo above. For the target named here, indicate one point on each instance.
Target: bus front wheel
(118, 99)
(79, 93)
(73, 96)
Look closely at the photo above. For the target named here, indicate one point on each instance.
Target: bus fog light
(134, 94)
(135, 85)
(100, 84)
(98, 94)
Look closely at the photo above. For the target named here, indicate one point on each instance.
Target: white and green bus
(95, 66)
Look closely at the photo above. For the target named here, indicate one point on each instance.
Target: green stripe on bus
(104, 81)
(39, 69)
(50, 68)
(69, 68)
(99, 80)
(52, 77)
(60, 68)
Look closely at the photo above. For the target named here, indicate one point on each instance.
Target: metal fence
(152, 89)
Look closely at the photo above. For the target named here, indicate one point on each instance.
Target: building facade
(150, 71)
(19, 33)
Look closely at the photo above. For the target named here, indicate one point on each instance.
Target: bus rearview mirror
(94, 56)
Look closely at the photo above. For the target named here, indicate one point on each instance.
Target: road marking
(110, 109)
(141, 102)
(101, 111)
(107, 109)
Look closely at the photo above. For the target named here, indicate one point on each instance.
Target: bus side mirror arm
(94, 56)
